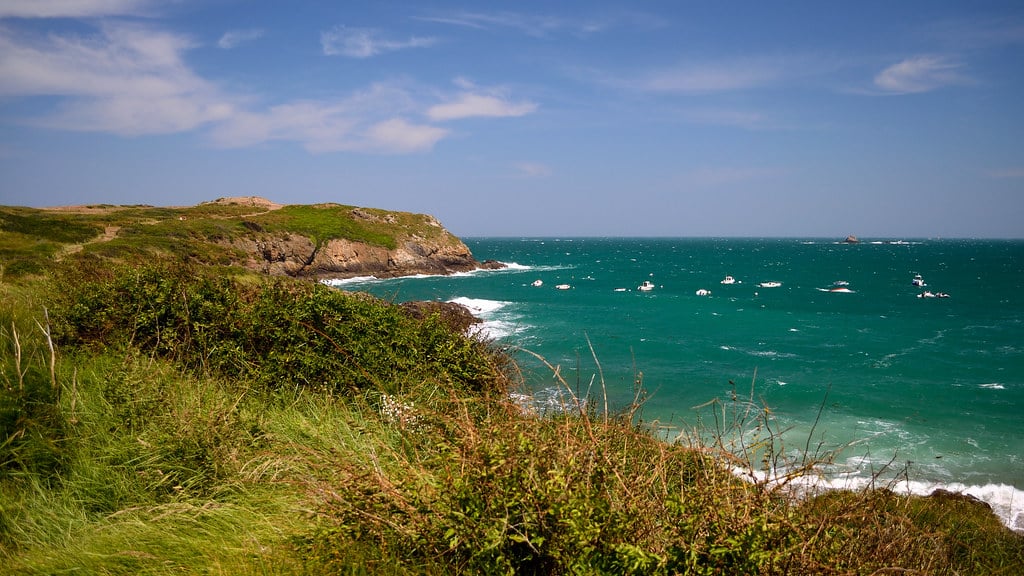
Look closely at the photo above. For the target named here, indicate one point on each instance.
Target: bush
(281, 334)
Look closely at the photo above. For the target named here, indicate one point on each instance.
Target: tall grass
(201, 424)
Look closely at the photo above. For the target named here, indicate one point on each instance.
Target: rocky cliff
(336, 241)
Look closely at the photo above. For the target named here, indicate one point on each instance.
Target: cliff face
(296, 255)
(406, 244)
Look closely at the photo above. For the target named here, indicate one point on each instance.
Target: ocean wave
(480, 305)
(508, 267)
(1006, 501)
(494, 330)
(337, 282)
(992, 386)
(551, 400)
(495, 325)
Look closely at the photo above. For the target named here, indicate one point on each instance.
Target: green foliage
(49, 226)
(194, 422)
(32, 428)
(327, 222)
(281, 335)
(31, 239)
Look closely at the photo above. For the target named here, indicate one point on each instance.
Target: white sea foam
(480, 305)
(992, 386)
(496, 324)
(336, 282)
(508, 267)
(493, 330)
(1007, 501)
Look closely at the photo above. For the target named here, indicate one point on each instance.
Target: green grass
(190, 422)
(327, 222)
(49, 226)
(31, 240)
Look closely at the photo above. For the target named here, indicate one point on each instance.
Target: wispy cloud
(746, 119)
(233, 38)
(132, 80)
(467, 105)
(76, 8)
(533, 170)
(366, 42)
(712, 77)
(536, 25)
(374, 120)
(473, 101)
(127, 80)
(920, 74)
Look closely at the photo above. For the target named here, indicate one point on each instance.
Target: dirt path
(109, 233)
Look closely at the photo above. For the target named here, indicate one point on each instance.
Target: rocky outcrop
(455, 315)
(429, 249)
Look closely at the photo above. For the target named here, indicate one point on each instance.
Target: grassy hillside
(32, 239)
(171, 418)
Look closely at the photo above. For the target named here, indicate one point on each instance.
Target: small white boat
(562, 286)
(841, 290)
(703, 292)
(918, 281)
(537, 282)
(926, 294)
(728, 280)
(770, 284)
(647, 286)
(620, 290)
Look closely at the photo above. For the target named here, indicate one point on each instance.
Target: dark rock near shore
(940, 494)
(455, 315)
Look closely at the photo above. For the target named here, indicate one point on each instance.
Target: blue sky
(675, 118)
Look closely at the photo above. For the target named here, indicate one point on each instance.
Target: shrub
(281, 334)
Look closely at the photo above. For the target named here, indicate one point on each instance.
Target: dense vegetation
(175, 418)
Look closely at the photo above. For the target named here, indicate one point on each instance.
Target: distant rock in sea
(851, 239)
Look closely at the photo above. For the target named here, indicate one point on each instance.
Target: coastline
(1005, 499)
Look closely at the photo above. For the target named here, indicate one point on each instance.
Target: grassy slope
(32, 239)
(186, 421)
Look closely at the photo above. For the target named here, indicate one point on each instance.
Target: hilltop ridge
(320, 240)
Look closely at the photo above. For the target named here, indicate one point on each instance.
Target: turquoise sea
(911, 391)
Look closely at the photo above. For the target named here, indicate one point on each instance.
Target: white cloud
(399, 135)
(366, 42)
(370, 121)
(127, 80)
(233, 38)
(919, 74)
(475, 104)
(131, 80)
(536, 25)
